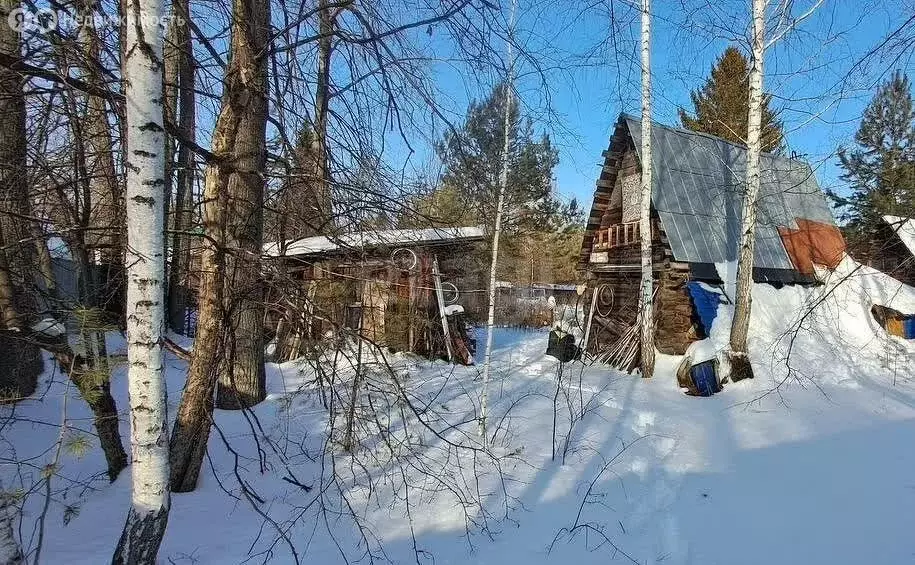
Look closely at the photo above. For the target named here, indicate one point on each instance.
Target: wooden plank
(584, 346)
(440, 297)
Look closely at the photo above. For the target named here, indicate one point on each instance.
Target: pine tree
(720, 106)
(881, 169)
(302, 206)
(472, 157)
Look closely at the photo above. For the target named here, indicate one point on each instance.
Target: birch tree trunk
(184, 179)
(647, 310)
(497, 228)
(740, 363)
(228, 346)
(148, 515)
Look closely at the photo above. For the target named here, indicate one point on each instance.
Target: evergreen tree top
(721, 106)
(880, 169)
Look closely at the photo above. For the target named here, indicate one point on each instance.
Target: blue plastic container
(705, 378)
(908, 328)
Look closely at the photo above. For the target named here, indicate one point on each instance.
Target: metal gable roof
(697, 192)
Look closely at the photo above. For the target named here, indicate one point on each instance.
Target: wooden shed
(890, 248)
(696, 204)
(396, 288)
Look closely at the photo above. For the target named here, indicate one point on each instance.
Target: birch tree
(497, 229)
(740, 363)
(647, 310)
(148, 515)
(739, 360)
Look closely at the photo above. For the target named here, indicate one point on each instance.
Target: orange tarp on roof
(813, 242)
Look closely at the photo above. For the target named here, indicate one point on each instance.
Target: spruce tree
(720, 106)
(301, 207)
(881, 168)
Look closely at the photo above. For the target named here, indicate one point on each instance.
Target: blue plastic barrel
(908, 328)
(704, 378)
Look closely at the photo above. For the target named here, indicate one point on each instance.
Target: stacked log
(675, 326)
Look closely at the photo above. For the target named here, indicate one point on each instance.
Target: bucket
(705, 378)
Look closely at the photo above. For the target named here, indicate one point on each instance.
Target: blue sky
(579, 70)
(590, 81)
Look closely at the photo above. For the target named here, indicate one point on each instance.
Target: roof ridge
(625, 115)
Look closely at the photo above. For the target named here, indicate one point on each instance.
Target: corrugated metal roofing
(697, 191)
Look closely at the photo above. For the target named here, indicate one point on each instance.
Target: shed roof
(904, 228)
(320, 244)
(697, 190)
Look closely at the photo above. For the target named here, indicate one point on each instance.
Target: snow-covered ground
(810, 462)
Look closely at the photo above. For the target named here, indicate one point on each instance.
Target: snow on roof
(376, 238)
(58, 248)
(554, 286)
(904, 228)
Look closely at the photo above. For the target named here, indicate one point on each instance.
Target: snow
(905, 229)
(49, 327)
(375, 238)
(809, 462)
(453, 309)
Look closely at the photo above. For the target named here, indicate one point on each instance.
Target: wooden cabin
(392, 287)
(696, 204)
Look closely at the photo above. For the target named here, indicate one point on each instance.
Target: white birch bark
(497, 230)
(647, 310)
(142, 70)
(743, 300)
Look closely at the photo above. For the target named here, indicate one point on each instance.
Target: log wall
(673, 310)
(674, 313)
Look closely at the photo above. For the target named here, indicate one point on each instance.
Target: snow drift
(810, 462)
